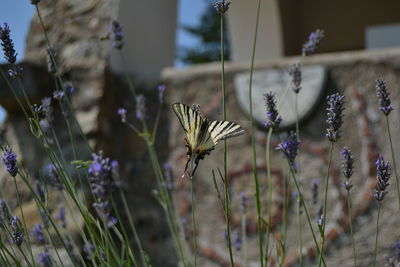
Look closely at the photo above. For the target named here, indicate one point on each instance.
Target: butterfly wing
(221, 130)
(192, 123)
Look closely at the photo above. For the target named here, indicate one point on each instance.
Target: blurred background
(177, 42)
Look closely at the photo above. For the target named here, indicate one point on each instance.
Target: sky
(18, 13)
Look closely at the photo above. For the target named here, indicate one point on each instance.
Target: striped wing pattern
(190, 121)
(220, 130)
(202, 135)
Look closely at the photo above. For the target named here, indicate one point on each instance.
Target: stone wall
(352, 74)
(76, 30)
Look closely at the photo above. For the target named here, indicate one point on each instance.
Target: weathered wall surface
(351, 74)
(75, 29)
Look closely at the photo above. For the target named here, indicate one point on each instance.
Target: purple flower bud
(118, 38)
(10, 161)
(53, 177)
(122, 112)
(161, 90)
(295, 73)
(383, 173)
(88, 250)
(61, 217)
(102, 184)
(273, 118)
(383, 95)
(16, 235)
(58, 95)
(243, 202)
(290, 147)
(310, 47)
(237, 240)
(51, 60)
(35, 2)
(45, 260)
(8, 46)
(221, 6)
(347, 166)
(314, 190)
(140, 107)
(15, 73)
(334, 116)
(37, 233)
(5, 215)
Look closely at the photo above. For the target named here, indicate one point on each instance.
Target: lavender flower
(396, 249)
(140, 107)
(237, 241)
(290, 148)
(53, 177)
(310, 47)
(221, 6)
(58, 95)
(383, 172)
(47, 111)
(335, 116)
(44, 259)
(383, 95)
(273, 118)
(15, 73)
(118, 38)
(37, 233)
(102, 183)
(122, 112)
(169, 184)
(161, 90)
(51, 60)
(40, 191)
(8, 46)
(295, 73)
(347, 166)
(61, 217)
(88, 250)
(5, 215)
(243, 202)
(10, 161)
(314, 190)
(16, 235)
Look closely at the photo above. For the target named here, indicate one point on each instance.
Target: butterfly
(201, 134)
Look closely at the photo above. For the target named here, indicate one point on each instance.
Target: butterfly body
(202, 135)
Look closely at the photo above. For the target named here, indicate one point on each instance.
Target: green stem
(132, 225)
(225, 146)
(305, 210)
(325, 203)
(255, 173)
(377, 233)
(194, 222)
(393, 159)
(299, 231)
(269, 182)
(24, 224)
(351, 228)
(297, 115)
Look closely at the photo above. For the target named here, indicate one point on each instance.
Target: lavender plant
(383, 173)
(333, 133)
(386, 107)
(348, 170)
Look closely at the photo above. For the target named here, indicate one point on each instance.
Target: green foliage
(208, 32)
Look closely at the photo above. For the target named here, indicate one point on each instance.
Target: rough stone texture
(276, 81)
(75, 29)
(364, 131)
